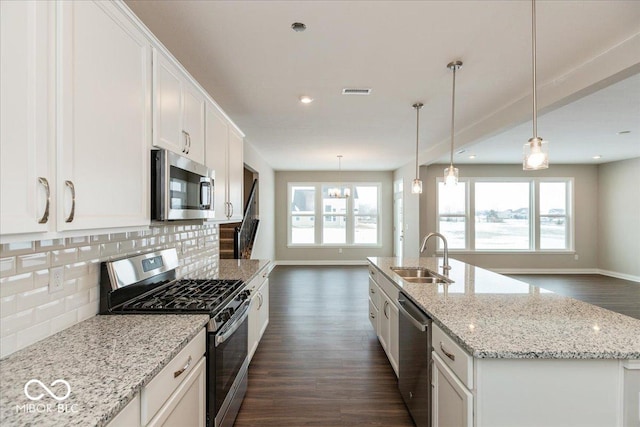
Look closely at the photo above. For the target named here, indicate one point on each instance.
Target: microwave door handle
(205, 194)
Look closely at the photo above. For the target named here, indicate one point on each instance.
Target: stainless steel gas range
(147, 284)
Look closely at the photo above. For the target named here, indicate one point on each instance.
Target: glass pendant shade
(416, 186)
(451, 176)
(536, 154)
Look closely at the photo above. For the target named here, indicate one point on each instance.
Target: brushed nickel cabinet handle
(373, 316)
(384, 309)
(446, 353)
(231, 206)
(73, 200)
(179, 372)
(260, 300)
(373, 291)
(188, 142)
(45, 215)
(184, 144)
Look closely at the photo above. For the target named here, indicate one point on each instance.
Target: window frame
(534, 215)
(349, 215)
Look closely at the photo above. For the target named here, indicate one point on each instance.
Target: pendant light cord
(453, 109)
(417, 134)
(533, 65)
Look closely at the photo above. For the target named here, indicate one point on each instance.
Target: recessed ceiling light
(298, 27)
(624, 132)
(305, 99)
(596, 157)
(473, 156)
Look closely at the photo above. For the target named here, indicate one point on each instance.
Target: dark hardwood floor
(319, 362)
(621, 296)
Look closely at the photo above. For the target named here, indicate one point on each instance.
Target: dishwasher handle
(413, 314)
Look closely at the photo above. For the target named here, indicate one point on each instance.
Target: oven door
(227, 385)
(181, 188)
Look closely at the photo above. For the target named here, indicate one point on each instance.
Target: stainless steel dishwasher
(414, 367)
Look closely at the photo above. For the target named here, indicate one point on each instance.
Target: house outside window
(316, 219)
(507, 214)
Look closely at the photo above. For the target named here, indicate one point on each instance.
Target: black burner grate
(186, 295)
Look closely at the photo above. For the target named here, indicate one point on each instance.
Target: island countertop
(493, 316)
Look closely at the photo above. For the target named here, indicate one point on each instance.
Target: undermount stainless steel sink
(419, 275)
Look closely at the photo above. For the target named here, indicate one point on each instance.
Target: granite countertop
(493, 316)
(242, 269)
(106, 360)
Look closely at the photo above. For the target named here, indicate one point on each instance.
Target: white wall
(619, 218)
(585, 217)
(264, 246)
(331, 255)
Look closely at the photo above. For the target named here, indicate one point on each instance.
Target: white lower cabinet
(167, 392)
(129, 416)
(383, 314)
(259, 311)
(452, 402)
(186, 406)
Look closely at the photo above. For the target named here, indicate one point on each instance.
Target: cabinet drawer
(156, 393)
(384, 284)
(373, 315)
(458, 360)
(374, 293)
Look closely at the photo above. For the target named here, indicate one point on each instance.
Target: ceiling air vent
(356, 91)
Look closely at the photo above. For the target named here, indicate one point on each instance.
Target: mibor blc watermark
(33, 391)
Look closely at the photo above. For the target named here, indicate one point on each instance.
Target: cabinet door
(263, 309)
(393, 351)
(129, 416)
(194, 122)
(186, 406)
(24, 153)
(216, 137)
(452, 402)
(374, 317)
(104, 118)
(167, 107)
(384, 323)
(235, 167)
(253, 325)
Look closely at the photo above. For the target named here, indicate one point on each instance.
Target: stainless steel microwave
(180, 188)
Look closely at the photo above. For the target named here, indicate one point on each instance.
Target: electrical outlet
(56, 279)
(576, 257)
(339, 250)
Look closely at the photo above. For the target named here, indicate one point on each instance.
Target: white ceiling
(247, 57)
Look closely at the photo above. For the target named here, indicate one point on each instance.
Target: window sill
(332, 246)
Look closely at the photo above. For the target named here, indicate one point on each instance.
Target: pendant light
(536, 151)
(451, 173)
(416, 186)
(336, 192)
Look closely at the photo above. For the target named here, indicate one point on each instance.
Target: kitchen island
(526, 356)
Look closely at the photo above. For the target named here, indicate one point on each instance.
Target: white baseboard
(617, 275)
(322, 262)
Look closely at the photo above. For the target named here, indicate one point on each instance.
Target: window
(452, 214)
(302, 214)
(315, 218)
(506, 214)
(502, 215)
(553, 215)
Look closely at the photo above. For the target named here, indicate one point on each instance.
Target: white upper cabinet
(224, 154)
(104, 118)
(178, 110)
(235, 167)
(26, 181)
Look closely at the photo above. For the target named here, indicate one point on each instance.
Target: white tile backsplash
(29, 313)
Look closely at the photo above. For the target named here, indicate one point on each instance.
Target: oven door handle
(230, 328)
